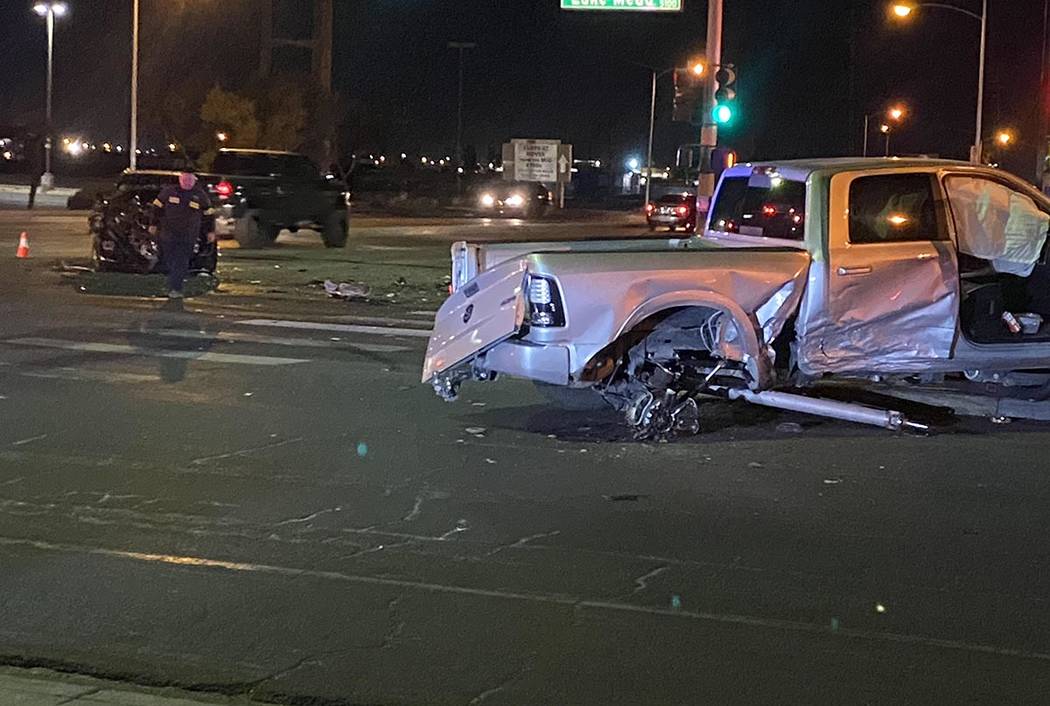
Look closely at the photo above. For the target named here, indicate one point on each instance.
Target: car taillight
(769, 211)
(649, 208)
(224, 189)
(682, 210)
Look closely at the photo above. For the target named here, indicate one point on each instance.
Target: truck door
(893, 285)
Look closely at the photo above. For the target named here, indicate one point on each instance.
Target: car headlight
(488, 200)
(515, 201)
(545, 307)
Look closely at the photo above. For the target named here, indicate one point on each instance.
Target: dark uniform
(35, 161)
(182, 213)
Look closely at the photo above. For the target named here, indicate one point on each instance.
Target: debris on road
(475, 431)
(345, 290)
(832, 481)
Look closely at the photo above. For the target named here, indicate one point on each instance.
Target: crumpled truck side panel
(606, 295)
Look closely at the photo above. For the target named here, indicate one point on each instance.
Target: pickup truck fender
(749, 350)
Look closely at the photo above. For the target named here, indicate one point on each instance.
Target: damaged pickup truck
(902, 275)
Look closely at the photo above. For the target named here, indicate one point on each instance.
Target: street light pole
(461, 46)
(133, 152)
(905, 9)
(867, 128)
(649, 150)
(47, 179)
(975, 152)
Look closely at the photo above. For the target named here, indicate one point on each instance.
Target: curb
(46, 687)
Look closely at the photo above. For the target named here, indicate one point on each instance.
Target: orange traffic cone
(23, 245)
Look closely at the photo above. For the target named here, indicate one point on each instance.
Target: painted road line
(385, 320)
(344, 328)
(230, 337)
(88, 375)
(202, 356)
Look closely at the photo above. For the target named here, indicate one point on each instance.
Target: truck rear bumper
(521, 359)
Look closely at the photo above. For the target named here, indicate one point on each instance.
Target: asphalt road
(201, 499)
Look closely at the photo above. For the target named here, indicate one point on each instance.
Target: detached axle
(845, 411)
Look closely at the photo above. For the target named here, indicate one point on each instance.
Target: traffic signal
(725, 95)
(688, 96)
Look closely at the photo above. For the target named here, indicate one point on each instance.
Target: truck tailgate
(482, 313)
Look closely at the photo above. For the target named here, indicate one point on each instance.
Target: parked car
(906, 274)
(672, 211)
(119, 226)
(261, 192)
(513, 198)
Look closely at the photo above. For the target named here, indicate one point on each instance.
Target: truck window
(265, 164)
(894, 208)
(776, 211)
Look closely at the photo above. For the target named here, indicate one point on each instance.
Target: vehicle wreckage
(119, 225)
(923, 279)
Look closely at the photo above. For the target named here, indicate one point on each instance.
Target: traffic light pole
(709, 129)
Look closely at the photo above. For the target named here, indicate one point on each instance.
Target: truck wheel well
(669, 328)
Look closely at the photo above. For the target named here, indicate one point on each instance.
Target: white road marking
(345, 328)
(202, 356)
(30, 440)
(778, 624)
(87, 375)
(230, 337)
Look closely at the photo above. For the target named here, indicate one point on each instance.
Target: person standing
(182, 210)
(35, 160)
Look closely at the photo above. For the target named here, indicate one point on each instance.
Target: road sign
(614, 5)
(536, 160)
(547, 161)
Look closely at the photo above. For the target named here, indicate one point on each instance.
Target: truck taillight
(224, 189)
(545, 307)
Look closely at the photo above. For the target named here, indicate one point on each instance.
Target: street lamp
(49, 10)
(893, 114)
(903, 10)
(697, 67)
(1004, 138)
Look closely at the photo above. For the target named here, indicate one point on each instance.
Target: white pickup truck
(888, 270)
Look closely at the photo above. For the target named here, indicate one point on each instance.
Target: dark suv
(260, 192)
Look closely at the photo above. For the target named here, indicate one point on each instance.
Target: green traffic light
(722, 114)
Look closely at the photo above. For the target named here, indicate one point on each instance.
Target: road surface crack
(245, 452)
(307, 518)
(523, 543)
(642, 582)
(480, 698)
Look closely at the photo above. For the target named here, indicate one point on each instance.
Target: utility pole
(1044, 106)
(978, 140)
(709, 130)
(461, 47)
(649, 149)
(134, 146)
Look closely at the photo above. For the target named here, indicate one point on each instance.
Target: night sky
(809, 70)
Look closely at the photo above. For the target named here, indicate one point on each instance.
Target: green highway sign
(637, 5)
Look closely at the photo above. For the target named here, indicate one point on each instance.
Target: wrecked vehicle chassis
(884, 273)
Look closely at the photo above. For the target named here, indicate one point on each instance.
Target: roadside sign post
(544, 161)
